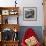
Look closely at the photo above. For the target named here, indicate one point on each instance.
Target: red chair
(29, 33)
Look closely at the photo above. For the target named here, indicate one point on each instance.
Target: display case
(9, 15)
(9, 26)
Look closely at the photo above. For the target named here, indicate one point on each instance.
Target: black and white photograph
(29, 13)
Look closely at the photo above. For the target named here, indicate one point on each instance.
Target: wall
(38, 5)
(27, 3)
(38, 30)
(44, 12)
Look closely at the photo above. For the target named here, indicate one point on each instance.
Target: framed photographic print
(5, 12)
(30, 13)
(13, 12)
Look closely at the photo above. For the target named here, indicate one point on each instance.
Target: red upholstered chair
(29, 33)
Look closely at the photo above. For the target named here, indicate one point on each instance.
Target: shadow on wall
(37, 29)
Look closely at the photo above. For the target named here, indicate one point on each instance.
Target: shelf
(9, 22)
(9, 15)
(9, 10)
(11, 41)
(10, 26)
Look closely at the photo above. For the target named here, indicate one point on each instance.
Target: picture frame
(30, 13)
(13, 12)
(5, 12)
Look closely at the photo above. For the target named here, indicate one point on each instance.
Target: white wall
(38, 5)
(27, 3)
